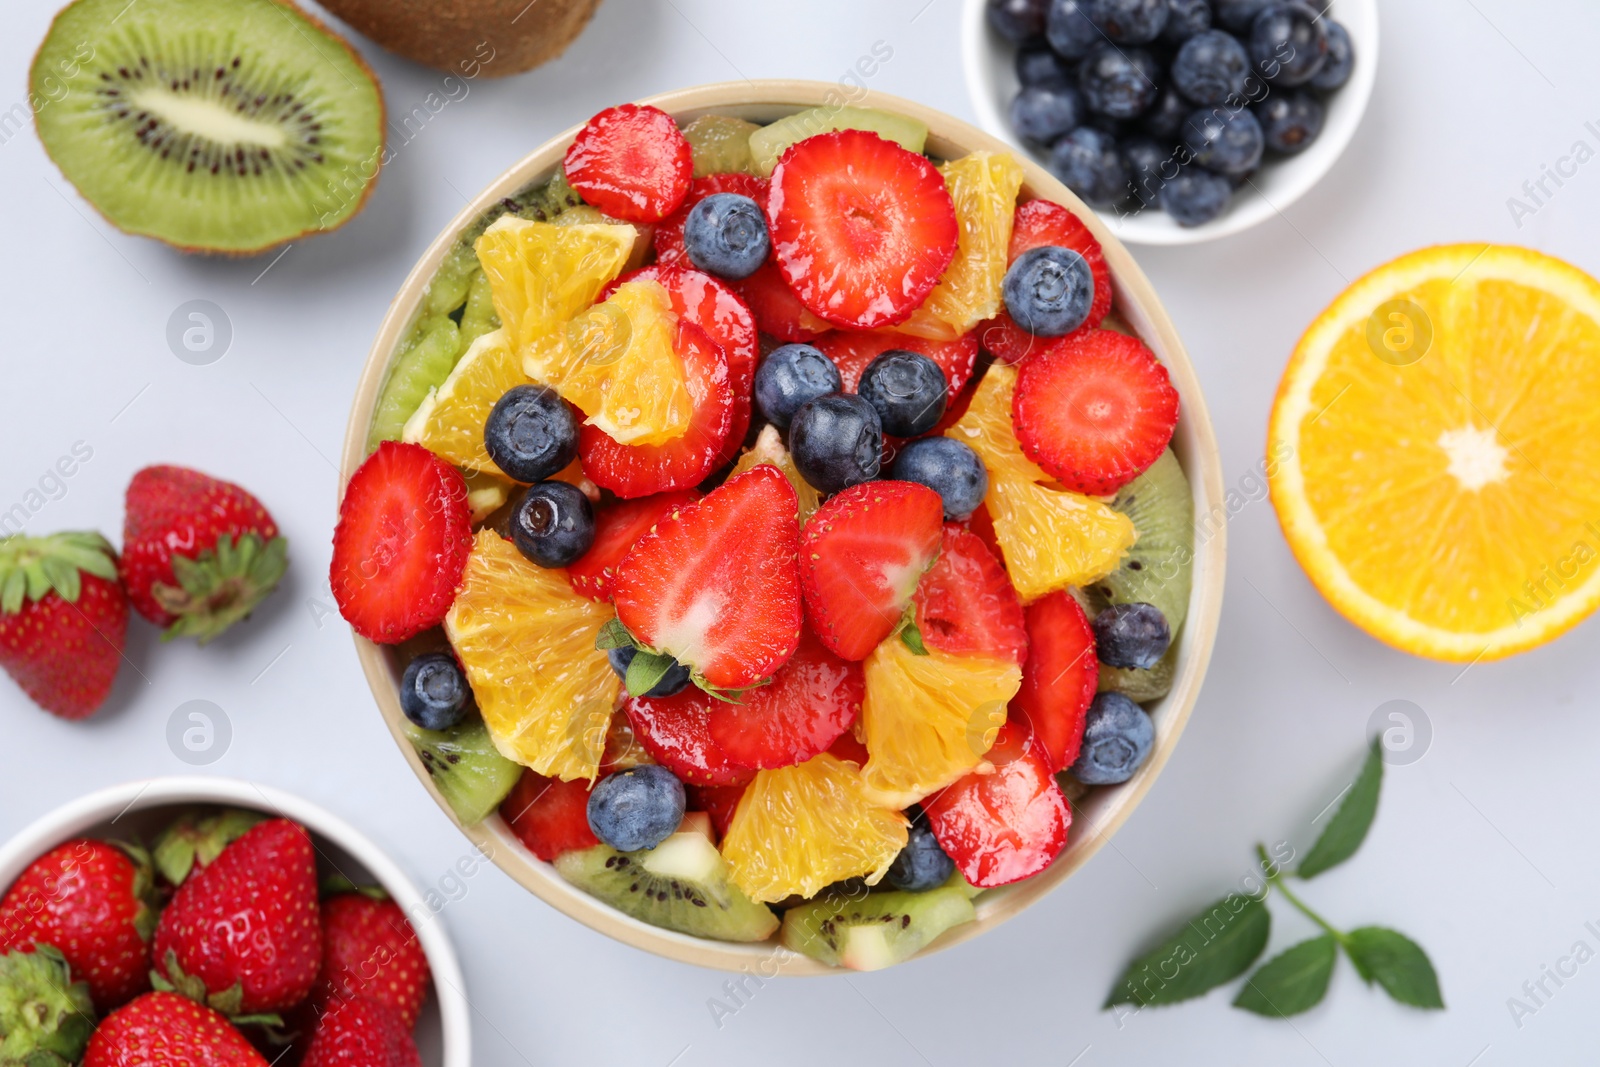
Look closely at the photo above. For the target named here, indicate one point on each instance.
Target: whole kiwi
(488, 38)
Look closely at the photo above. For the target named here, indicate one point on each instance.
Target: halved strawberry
(1059, 679)
(716, 585)
(849, 747)
(632, 163)
(402, 542)
(965, 603)
(1002, 826)
(1038, 223)
(779, 313)
(1095, 409)
(668, 238)
(616, 528)
(860, 558)
(548, 815)
(676, 731)
(861, 228)
(813, 699)
(717, 801)
(633, 471)
(852, 350)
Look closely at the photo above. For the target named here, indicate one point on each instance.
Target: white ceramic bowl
(992, 82)
(140, 809)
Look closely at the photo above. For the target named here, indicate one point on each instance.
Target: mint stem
(1276, 881)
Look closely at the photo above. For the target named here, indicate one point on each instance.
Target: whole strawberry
(95, 903)
(167, 1030)
(243, 932)
(359, 1033)
(63, 620)
(198, 554)
(370, 952)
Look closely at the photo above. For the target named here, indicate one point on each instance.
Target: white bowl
(139, 809)
(992, 82)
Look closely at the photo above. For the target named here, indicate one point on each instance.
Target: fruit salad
(775, 526)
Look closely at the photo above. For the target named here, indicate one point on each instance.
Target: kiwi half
(868, 933)
(466, 767)
(1159, 568)
(213, 125)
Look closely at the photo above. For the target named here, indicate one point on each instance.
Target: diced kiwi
(427, 359)
(447, 292)
(721, 144)
(681, 884)
(868, 933)
(479, 317)
(769, 142)
(213, 126)
(543, 203)
(1142, 685)
(471, 773)
(1159, 568)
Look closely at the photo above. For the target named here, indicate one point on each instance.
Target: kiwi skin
(472, 38)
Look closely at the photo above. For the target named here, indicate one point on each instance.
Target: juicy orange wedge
(449, 421)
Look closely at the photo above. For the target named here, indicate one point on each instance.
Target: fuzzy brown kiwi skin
(446, 34)
(242, 253)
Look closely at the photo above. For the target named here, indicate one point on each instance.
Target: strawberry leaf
(646, 670)
(614, 635)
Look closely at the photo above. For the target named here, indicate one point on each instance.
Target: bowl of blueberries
(1177, 120)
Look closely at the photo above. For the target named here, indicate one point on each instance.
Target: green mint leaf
(614, 635)
(1291, 982)
(913, 639)
(1349, 825)
(646, 670)
(1395, 962)
(1215, 946)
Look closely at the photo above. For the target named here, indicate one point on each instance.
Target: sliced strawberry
(616, 528)
(982, 524)
(1038, 223)
(1059, 679)
(849, 747)
(965, 603)
(548, 815)
(717, 801)
(676, 731)
(852, 350)
(1095, 409)
(861, 228)
(401, 545)
(633, 471)
(813, 699)
(1006, 825)
(717, 584)
(632, 163)
(778, 311)
(668, 238)
(860, 558)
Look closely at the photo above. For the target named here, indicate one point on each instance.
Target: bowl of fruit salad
(1178, 120)
(769, 527)
(190, 920)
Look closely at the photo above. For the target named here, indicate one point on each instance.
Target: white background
(1484, 851)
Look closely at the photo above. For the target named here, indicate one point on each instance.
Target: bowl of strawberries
(189, 920)
(769, 527)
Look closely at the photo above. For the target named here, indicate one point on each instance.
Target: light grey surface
(1483, 850)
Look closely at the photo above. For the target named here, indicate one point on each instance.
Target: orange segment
(449, 421)
(541, 275)
(1437, 438)
(768, 448)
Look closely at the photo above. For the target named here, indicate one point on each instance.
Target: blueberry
(434, 692)
(1165, 118)
(1117, 738)
(1048, 290)
(790, 376)
(836, 441)
(636, 808)
(1044, 112)
(1290, 121)
(1146, 161)
(531, 433)
(1037, 64)
(673, 681)
(726, 235)
(948, 467)
(1087, 162)
(1131, 635)
(922, 864)
(1069, 30)
(1185, 18)
(1288, 44)
(553, 524)
(1118, 82)
(907, 390)
(1017, 20)
(1227, 142)
(1211, 67)
(1195, 196)
(1129, 21)
(1340, 62)
(1237, 15)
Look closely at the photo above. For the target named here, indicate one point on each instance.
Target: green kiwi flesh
(213, 125)
(1139, 685)
(466, 767)
(1159, 568)
(877, 930)
(770, 142)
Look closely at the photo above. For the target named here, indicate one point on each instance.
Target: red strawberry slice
(668, 238)
(1038, 223)
(852, 350)
(633, 471)
(778, 311)
(861, 228)
(861, 556)
(982, 524)
(1006, 825)
(849, 747)
(676, 731)
(1095, 409)
(1059, 679)
(401, 545)
(965, 603)
(632, 163)
(813, 699)
(548, 815)
(716, 585)
(717, 801)
(616, 528)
